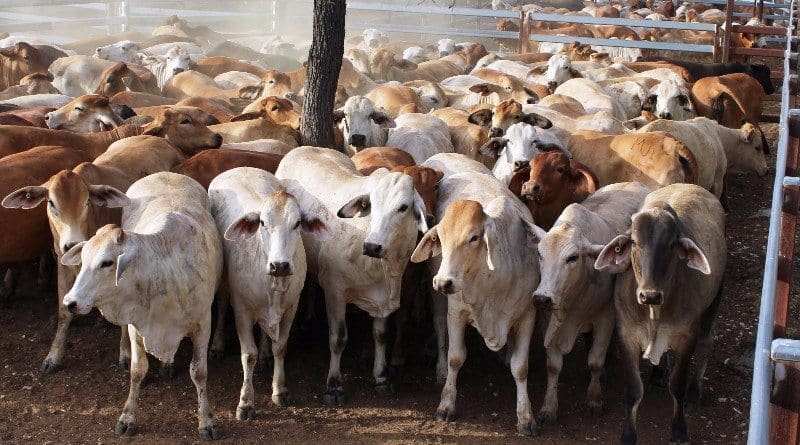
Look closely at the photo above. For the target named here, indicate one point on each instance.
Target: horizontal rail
(641, 44)
(784, 349)
(587, 20)
(768, 30)
(413, 29)
(760, 52)
(421, 9)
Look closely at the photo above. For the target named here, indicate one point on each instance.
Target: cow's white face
(416, 54)
(103, 259)
(362, 126)
(523, 142)
(558, 70)
(431, 96)
(122, 51)
(669, 100)
(178, 60)
(566, 261)
(374, 38)
(360, 60)
(446, 47)
(396, 211)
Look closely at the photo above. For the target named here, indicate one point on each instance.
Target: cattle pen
(760, 290)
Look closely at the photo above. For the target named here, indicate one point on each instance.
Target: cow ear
(537, 120)
(157, 130)
(575, 73)
(246, 117)
(593, 250)
(405, 65)
(72, 257)
(545, 146)
(534, 98)
(683, 100)
(312, 224)
(481, 117)
(493, 147)
(429, 246)
(534, 233)
(492, 239)
(357, 207)
(244, 227)
(382, 119)
(123, 260)
(419, 213)
(484, 89)
(695, 258)
(538, 70)
(251, 92)
(104, 195)
(26, 198)
(615, 257)
(748, 133)
(338, 115)
(650, 103)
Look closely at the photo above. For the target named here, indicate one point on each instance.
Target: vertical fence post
(726, 37)
(524, 33)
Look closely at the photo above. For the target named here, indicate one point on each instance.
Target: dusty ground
(80, 403)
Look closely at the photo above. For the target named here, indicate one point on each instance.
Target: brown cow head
(504, 115)
(115, 79)
(68, 196)
(18, 61)
(279, 110)
(273, 83)
(426, 182)
(89, 113)
(183, 128)
(39, 83)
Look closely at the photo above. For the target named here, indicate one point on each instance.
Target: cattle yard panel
(775, 398)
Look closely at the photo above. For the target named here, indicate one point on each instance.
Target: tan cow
(467, 137)
(193, 84)
(17, 62)
(16, 139)
(395, 99)
(262, 128)
(36, 83)
(731, 100)
(89, 113)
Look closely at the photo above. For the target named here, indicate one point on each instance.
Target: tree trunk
(324, 63)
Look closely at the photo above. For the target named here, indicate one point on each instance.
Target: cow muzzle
(444, 285)
(177, 71)
(542, 300)
(519, 165)
(496, 132)
(280, 268)
(665, 115)
(551, 86)
(358, 140)
(374, 250)
(650, 297)
(217, 140)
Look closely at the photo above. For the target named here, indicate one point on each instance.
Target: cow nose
(542, 300)
(444, 53)
(279, 268)
(217, 140)
(430, 220)
(72, 306)
(650, 297)
(68, 246)
(98, 50)
(552, 86)
(47, 117)
(358, 140)
(665, 115)
(495, 132)
(444, 286)
(519, 165)
(373, 250)
(177, 71)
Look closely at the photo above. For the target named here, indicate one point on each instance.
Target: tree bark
(324, 63)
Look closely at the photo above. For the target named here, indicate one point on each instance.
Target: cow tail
(691, 171)
(718, 107)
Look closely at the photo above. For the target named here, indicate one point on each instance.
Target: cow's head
(279, 110)
(122, 51)
(750, 151)
(551, 174)
(39, 83)
(431, 95)
(183, 128)
(177, 60)
(374, 39)
(396, 210)
(279, 224)
(520, 144)
(361, 125)
(273, 83)
(557, 71)
(655, 246)
(20, 60)
(426, 182)
(504, 115)
(116, 79)
(446, 47)
(71, 205)
(86, 114)
(670, 100)
(762, 74)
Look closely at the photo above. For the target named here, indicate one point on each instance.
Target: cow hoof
(595, 408)
(245, 413)
(282, 400)
(124, 364)
(530, 430)
(445, 415)
(546, 416)
(125, 428)
(384, 389)
(167, 371)
(209, 433)
(334, 397)
(216, 354)
(48, 366)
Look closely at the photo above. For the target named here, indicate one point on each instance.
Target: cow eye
(474, 239)
(271, 81)
(78, 108)
(572, 259)
(186, 122)
(434, 100)
(402, 208)
(560, 169)
(262, 223)
(297, 226)
(106, 263)
(275, 108)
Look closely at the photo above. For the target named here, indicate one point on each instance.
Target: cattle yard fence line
(775, 397)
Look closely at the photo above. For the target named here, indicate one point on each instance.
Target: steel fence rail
(759, 431)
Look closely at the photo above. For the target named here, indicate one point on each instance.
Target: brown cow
(212, 107)
(214, 66)
(206, 165)
(119, 78)
(17, 62)
(193, 84)
(16, 139)
(277, 109)
(89, 113)
(731, 100)
(370, 159)
(554, 182)
(250, 130)
(36, 83)
(137, 99)
(31, 117)
(504, 115)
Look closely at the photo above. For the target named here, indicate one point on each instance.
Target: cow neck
(99, 142)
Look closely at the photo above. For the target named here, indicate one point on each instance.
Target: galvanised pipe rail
(759, 430)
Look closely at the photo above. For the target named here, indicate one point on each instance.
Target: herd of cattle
(567, 188)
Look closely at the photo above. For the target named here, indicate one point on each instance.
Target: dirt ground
(81, 403)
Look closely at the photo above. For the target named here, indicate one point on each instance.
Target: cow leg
(602, 334)
(401, 318)
(456, 354)
(677, 387)
(124, 361)
(247, 345)
(379, 370)
(198, 370)
(45, 272)
(633, 387)
(218, 344)
(52, 362)
(126, 425)
(526, 424)
(280, 393)
(549, 410)
(440, 326)
(9, 285)
(337, 340)
(702, 352)
(264, 350)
